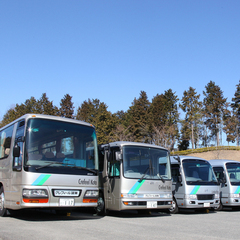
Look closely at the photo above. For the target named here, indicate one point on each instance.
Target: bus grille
(205, 197)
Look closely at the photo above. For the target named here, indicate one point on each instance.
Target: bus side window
(5, 140)
(175, 173)
(17, 161)
(101, 159)
(113, 165)
(219, 172)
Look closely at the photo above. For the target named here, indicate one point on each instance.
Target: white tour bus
(45, 163)
(194, 184)
(134, 176)
(228, 175)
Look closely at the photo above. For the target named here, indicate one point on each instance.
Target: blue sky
(113, 49)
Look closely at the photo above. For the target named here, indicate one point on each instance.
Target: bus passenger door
(18, 162)
(176, 182)
(112, 187)
(224, 184)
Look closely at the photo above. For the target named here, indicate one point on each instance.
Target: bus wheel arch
(174, 209)
(219, 208)
(3, 210)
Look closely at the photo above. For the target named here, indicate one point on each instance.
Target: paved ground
(39, 225)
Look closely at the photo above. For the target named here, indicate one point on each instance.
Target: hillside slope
(219, 154)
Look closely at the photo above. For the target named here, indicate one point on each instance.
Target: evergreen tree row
(156, 122)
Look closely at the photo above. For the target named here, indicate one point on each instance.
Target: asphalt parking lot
(119, 225)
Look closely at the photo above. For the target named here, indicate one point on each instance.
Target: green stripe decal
(136, 186)
(41, 180)
(237, 190)
(195, 190)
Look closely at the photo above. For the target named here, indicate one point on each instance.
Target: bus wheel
(174, 208)
(3, 210)
(100, 209)
(219, 208)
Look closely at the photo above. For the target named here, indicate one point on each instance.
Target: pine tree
(183, 142)
(214, 104)
(95, 112)
(165, 117)
(192, 108)
(66, 110)
(44, 106)
(236, 111)
(139, 118)
(230, 125)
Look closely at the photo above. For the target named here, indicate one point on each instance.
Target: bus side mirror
(223, 180)
(180, 178)
(118, 156)
(16, 151)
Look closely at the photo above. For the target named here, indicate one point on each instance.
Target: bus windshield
(146, 163)
(198, 172)
(60, 147)
(234, 173)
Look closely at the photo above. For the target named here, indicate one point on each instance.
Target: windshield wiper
(67, 165)
(160, 176)
(88, 169)
(49, 164)
(144, 174)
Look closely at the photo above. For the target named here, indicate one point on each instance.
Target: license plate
(206, 205)
(66, 202)
(152, 204)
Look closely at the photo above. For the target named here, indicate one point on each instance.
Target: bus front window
(146, 163)
(198, 172)
(234, 173)
(60, 147)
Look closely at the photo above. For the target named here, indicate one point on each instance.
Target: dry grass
(218, 154)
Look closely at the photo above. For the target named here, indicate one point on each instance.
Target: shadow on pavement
(52, 215)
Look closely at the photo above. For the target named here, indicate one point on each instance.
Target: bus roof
(175, 159)
(221, 162)
(50, 117)
(126, 143)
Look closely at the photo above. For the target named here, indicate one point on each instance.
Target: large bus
(45, 162)
(228, 175)
(194, 184)
(134, 176)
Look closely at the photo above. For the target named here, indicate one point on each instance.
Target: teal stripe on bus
(136, 186)
(41, 179)
(195, 190)
(237, 190)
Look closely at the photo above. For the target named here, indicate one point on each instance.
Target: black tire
(3, 210)
(174, 209)
(101, 209)
(219, 208)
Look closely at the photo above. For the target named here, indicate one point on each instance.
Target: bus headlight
(127, 195)
(166, 195)
(191, 196)
(35, 193)
(91, 193)
(234, 195)
(90, 196)
(35, 196)
(216, 195)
